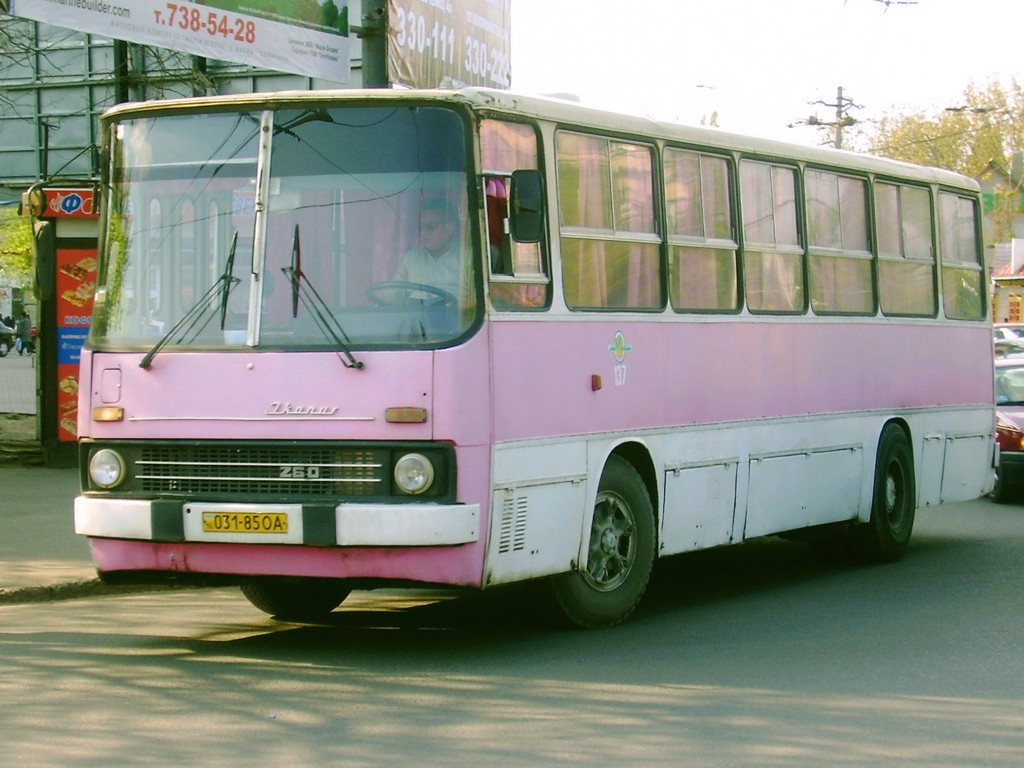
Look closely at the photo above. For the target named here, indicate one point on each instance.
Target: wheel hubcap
(894, 495)
(612, 543)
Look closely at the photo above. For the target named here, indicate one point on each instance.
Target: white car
(1008, 332)
(6, 339)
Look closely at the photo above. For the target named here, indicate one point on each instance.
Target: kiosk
(65, 221)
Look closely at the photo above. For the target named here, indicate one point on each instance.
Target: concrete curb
(74, 590)
(24, 453)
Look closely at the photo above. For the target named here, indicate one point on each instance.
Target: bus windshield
(295, 228)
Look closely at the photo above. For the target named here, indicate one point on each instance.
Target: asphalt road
(759, 655)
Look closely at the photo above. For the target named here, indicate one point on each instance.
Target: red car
(1009, 428)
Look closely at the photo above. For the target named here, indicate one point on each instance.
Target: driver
(438, 260)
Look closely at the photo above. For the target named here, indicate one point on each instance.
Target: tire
(885, 537)
(1003, 492)
(296, 599)
(999, 493)
(620, 553)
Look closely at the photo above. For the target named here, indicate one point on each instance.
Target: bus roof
(568, 113)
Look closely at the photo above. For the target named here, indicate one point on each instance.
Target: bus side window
(963, 280)
(773, 257)
(906, 254)
(519, 278)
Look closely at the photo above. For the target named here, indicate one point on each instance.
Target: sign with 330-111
(435, 43)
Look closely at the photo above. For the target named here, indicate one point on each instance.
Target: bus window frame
(611, 235)
(869, 255)
(786, 249)
(677, 240)
(976, 266)
(881, 258)
(516, 282)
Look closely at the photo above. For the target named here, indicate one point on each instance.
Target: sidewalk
(41, 557)
(18, 383)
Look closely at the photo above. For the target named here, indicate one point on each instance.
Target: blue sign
(69, 344)
(71, 203)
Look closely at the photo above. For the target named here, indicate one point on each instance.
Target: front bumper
(316, 525)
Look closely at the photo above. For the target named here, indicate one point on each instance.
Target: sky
(761, 64)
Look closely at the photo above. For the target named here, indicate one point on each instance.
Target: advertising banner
(449, 43)
(304, 37)
(76, 283)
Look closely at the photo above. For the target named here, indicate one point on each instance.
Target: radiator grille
(255, 470)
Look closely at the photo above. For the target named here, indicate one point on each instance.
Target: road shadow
(683, 588)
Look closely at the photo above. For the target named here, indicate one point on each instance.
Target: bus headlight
(106, 469)
(414, 473)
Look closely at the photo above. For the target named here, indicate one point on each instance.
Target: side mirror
(526, 206)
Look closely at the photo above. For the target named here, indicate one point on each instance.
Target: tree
(15, 249)
(150, 71)
(982, 132)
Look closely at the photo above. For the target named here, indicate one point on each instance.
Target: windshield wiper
(309, 116)
(195, 314)
(326, 322)
(227, 280)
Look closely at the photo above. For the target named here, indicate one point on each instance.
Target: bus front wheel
(620, 553)
(296, 599)
(885, 537)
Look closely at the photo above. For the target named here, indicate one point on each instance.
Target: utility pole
(122, 70)
(843, 119)
(374, 33)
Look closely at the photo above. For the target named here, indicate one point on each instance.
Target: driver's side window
(519, 277)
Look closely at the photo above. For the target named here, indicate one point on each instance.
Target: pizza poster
(76, 284)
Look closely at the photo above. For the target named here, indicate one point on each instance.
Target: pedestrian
(23, 331)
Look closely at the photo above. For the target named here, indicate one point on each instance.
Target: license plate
(245, 522)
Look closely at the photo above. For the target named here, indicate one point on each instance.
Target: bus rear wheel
(296, 599)
(620, 553)
(885, 537)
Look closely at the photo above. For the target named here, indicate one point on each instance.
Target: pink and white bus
(354, 339)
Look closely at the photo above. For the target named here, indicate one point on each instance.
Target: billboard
(449, 43)
(304, 37)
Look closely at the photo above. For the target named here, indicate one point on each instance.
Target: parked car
(1009, 429)
(6, 339)
(1008, 347)
(1010, 331)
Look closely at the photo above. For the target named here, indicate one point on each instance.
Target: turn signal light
(405, 415)
(108, 413)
